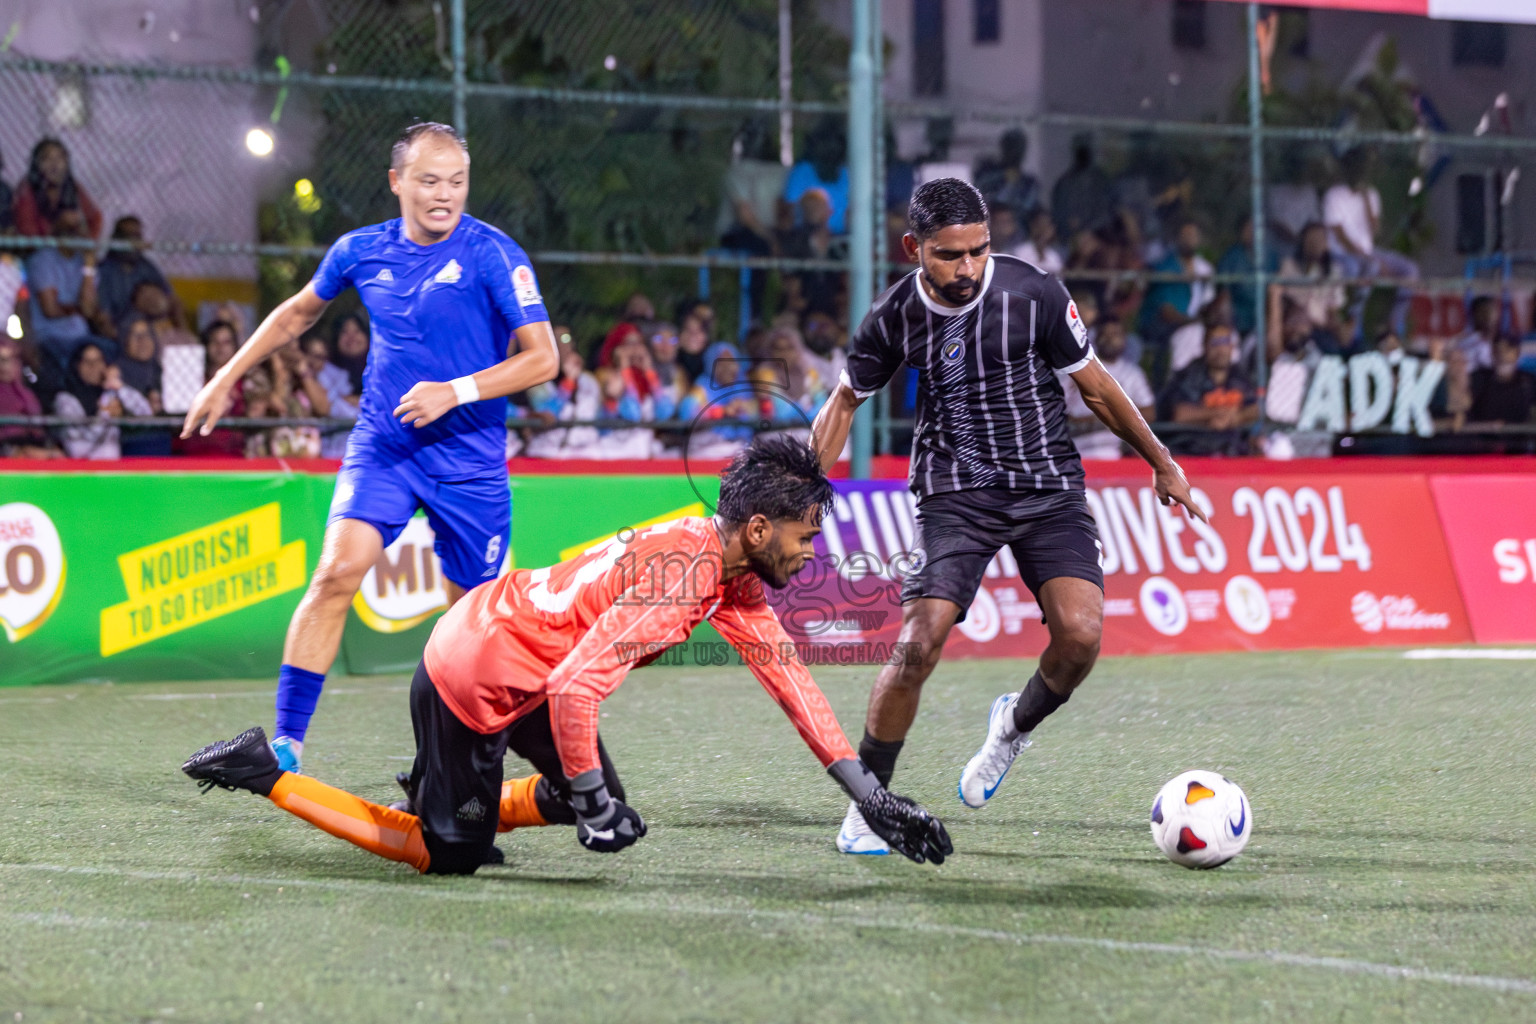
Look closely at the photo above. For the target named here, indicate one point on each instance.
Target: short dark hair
(776, 477)
(421, 129)
(943, 202)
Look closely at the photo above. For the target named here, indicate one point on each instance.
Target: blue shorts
(471, 514)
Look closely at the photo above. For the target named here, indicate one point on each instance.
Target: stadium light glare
(259, 142)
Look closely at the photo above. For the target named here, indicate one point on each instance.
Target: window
(989, 27)
(1189, 24)
(1478, 44)
(928, 47)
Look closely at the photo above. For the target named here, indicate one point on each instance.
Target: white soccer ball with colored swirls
(1201, 819)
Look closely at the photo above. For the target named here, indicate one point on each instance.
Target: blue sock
(298, 691)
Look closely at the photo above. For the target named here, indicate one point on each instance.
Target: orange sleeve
(655, 609)
(749, 624)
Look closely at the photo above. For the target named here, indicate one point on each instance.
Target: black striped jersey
(990, 410)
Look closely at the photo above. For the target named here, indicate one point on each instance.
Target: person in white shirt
(1294, 354)
(1477, 344)
(1323, 303)
(1109, 346)
(1040, 247)
(1352, 212)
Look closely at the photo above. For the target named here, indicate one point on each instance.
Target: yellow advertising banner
(201, 575)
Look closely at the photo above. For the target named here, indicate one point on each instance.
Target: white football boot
(986, 771)
(857, 837)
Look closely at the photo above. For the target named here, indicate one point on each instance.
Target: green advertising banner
(131, 576)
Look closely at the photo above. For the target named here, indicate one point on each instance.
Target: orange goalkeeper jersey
(571, 632)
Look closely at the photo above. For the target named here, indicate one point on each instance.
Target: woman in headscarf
(139, 369)
(96, 390)
(49, 189)
(16, 399)
(692, 340)
(721, 393)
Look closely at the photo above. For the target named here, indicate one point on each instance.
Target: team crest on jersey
(385, 275)
(952, 350)
(1075, 323)
(450, 273)
(524, 285)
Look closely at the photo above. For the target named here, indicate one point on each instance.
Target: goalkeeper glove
(603, 824)
(911, 831)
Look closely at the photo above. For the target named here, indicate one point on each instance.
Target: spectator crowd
(104, 339)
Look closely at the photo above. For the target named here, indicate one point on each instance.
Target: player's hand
(603, 824)
(1173, 488)
(207, 408)
(911, 831)
(426, 402)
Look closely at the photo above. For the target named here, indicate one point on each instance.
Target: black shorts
(457, 774)
(1051, 534)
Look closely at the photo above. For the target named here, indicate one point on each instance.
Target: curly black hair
(777, 477)
(942, 202)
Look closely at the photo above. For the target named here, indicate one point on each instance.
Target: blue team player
(457, 325)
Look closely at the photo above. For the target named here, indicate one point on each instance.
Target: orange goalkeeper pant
(519, 808)
(391, 834)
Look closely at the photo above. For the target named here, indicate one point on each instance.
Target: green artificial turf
(1394, 816)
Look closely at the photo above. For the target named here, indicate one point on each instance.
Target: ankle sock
(1035, 703)
(879, 756)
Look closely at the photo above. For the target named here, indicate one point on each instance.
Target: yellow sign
(201, 575)
(696, 509)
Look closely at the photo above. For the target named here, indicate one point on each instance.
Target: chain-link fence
(611, 139)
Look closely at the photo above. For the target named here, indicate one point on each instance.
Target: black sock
(879, 757)
(554, 805)
(1035, 703)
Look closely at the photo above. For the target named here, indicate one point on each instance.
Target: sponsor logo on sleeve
(1075, 323)
(526, 288)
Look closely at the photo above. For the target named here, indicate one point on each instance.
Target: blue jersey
(437, 312)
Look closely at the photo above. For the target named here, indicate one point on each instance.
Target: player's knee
(336, 579)
(454, 858)
(1077, 639)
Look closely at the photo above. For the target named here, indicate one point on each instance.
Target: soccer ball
(1201, 820)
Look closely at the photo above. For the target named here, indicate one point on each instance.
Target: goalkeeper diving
(524, 662)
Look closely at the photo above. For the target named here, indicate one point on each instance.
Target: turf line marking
(1471, 654)
(1342, 965)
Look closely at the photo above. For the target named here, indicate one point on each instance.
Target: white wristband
(465, 390)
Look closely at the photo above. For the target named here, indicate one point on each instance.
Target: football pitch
(1391, 875)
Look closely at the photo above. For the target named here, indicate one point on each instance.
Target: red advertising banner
(1289, 560)
(1490, 529)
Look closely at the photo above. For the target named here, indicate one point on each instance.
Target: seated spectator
(639, 308)
(220, 342)
(338, 392)
(693, 337)
(94, 392)
(718, 395)
(803, 379)
(817, 291)
(632, 360)
(828, 345)
(1082, 198)
(160, 308)
(1352, 212)
(751, 202)
(350, 349)
(573, 395)
(1187, 344)
(823, 168)
(1092, 439)
(1322, 304)
(10, 285)
(62, 283)
(1503, 393)
(1040, 247)
(1477, 344)
(665, 348)
(1238, 260)
(294, 394)
(120, 272)
(140, 369)
(1170, 305)
(1294, 354)
(1211, 393)
(50, 190)
(16, 399)
(1003, 229)
(1005, 183)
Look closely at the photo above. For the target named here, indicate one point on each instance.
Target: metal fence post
(861, 203)
(882, 266)
(460, 82)
(1260, 246)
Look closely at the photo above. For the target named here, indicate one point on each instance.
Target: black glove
(603, 824)
(911, 831)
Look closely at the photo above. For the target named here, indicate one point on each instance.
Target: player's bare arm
(284, 324)
(533, 359)
(1109, 402)
(830, 431)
